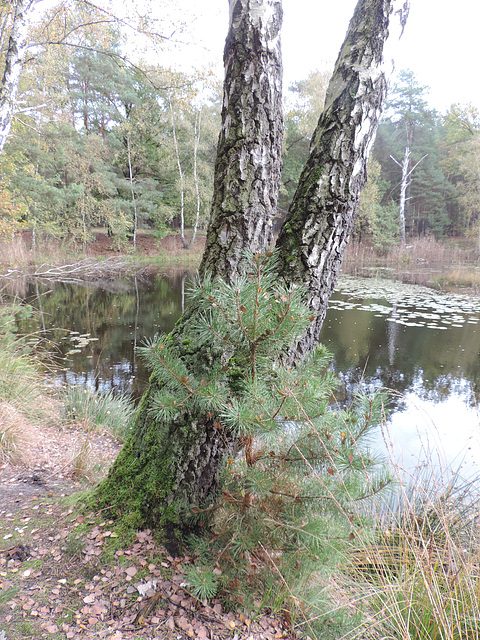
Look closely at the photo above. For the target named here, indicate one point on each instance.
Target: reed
(419, 578)
(424, 261)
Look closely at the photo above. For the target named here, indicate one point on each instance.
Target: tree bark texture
(313, 239)
(166, 467)
(249, 155)
(14, 60)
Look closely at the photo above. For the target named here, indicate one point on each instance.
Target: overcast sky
(440, 44)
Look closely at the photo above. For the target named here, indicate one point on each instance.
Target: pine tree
(291, 494)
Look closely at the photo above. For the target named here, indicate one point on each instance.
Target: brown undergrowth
(447, 264)
(68, 575)
(19, 257)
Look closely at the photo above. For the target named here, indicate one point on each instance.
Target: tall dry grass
(419, 578)
(22, 397)
(14, 254)
(424, 261)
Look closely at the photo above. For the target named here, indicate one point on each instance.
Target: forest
(242, 496)
(101, 142)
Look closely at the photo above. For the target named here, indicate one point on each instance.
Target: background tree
(20, 14)
(377, 217)
(304, 101)
(408, 148)
(90, 92)
(460, 161)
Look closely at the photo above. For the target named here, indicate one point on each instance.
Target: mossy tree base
(163, 470)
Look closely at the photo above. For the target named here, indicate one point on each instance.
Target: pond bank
(101, 258)
(450, 265)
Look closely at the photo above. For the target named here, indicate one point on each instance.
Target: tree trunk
(249, 155)
(180, 175)
(132, 191)
(196, 139)
(15, 58)
(165, 467)
(404, 189)
(403, 194)
(315, 234)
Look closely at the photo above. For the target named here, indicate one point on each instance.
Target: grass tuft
(101, 411)
(11, 434)
(420, 577)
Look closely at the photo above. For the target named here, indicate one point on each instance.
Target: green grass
(101, 411)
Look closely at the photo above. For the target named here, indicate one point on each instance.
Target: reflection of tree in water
(117, 316)
(352, 379)
(398, 384)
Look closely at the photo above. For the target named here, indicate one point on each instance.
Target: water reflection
(422, 344)
(98, 327)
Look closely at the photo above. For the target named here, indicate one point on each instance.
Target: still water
(423, 345)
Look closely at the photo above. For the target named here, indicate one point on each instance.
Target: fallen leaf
(131, 571)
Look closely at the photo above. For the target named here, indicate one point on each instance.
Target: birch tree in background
(16, 53)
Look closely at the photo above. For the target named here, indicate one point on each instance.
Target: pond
(422, 344)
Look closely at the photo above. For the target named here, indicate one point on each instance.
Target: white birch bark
(405, 183)
(195, 176)
(132, 190)
(403, 192)
(180, 173)
(249, 153)
(15, 58)
(315, 234)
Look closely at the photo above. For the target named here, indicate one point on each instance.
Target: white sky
(440, 44)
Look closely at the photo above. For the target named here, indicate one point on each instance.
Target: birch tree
(23, 16)
(315, 234)
(406, 177)
(169, 466)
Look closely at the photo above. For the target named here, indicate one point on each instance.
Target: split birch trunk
(168, 467)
